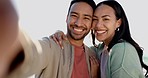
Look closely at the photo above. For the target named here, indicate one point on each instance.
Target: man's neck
(75, 42)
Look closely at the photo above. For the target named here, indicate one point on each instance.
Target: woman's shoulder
(122, 51)
(123, 48)
(124, 45)
(124, 57)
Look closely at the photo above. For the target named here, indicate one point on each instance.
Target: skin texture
(8, 24)
(79, 22)
(8, 36)
(105, 23)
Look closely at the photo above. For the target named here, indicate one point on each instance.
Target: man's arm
(8, 25)
(9, 45)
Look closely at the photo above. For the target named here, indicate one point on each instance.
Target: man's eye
(95, 19)
(73, 15)
(105, 19)
(86, 18)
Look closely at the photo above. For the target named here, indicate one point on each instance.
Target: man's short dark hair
(90, 2)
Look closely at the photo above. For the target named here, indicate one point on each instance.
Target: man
(44, 57)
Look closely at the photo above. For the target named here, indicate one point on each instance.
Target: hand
(8, 35)
(94, 67)
(8, 25)
(58, 37)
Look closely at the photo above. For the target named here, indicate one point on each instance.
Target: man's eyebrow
(73, 13)
(87, 15)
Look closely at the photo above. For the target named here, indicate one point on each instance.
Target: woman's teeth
(101, 32)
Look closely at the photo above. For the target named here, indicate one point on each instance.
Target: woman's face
(105, 23)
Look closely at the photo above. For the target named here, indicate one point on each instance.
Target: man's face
(79, 20)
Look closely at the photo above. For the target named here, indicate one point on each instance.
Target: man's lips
(78, 30)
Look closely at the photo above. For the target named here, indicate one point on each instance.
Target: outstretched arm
(8, 25)
(9, 45)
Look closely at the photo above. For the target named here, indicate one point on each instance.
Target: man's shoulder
(89, 50)
(49, 41)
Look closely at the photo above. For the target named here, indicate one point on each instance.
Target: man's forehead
(81, 4)
(82, 7)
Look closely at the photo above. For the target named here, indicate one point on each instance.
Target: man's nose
(79, 22)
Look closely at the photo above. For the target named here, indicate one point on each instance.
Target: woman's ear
(118, 23)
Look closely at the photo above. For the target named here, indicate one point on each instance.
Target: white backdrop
(43, 17)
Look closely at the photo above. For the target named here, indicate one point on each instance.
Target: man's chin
(78, 37)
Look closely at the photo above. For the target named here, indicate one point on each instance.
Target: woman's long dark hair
(124, 32)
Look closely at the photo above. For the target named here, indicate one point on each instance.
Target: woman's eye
(105, 19)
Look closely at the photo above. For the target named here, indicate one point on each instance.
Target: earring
(118, 29)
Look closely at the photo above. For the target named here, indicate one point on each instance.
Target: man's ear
(67, 19)
(92, 26)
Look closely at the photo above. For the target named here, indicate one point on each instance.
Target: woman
(120, 56)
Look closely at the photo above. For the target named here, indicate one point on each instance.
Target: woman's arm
(58, 37)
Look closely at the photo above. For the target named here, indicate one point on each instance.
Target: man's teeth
(100, 32)
(79, 30)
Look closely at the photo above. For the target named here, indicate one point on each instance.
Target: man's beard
(73, 36)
